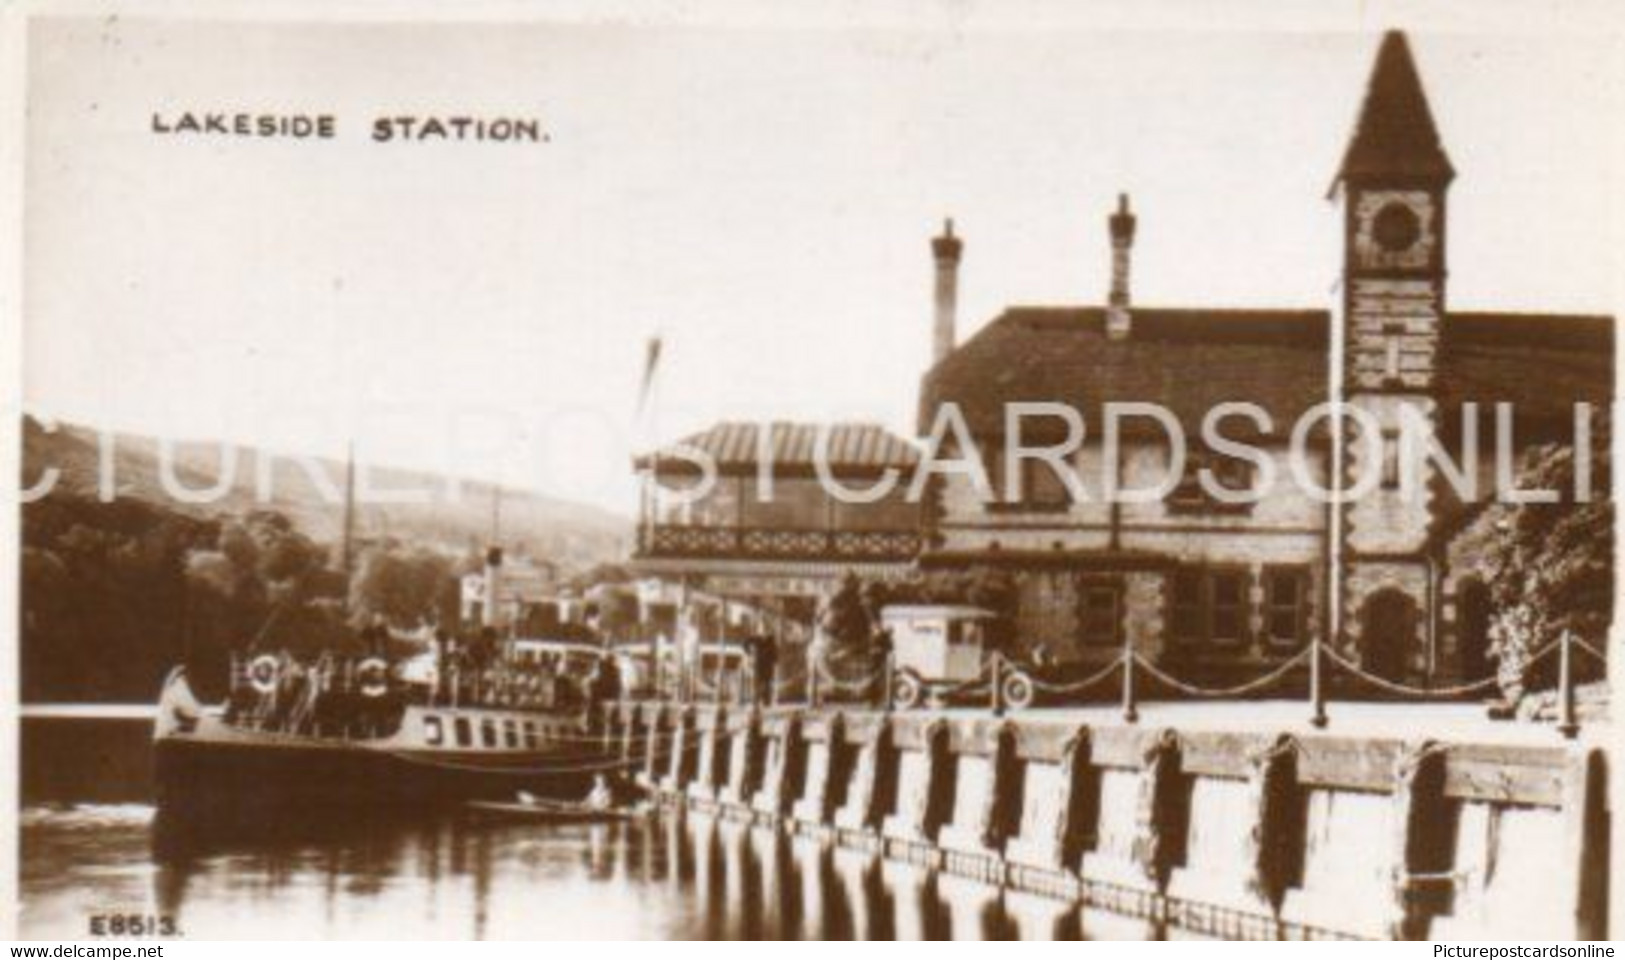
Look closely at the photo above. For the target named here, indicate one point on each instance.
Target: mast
(496, 514)
(346, 555)
(643, 418)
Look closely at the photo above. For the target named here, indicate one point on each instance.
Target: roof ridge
(1395, 132)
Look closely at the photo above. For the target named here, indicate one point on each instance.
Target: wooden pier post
(923, 780)
(785, 761)
(681, 768)
(823, 737)
(745, 761)
(977, 823)
(656, 745)
(1056, 805)
(1419, 826)
(860, 815)
(710, 731)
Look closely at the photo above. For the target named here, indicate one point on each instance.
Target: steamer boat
(364, 732)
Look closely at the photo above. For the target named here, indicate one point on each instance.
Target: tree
(1549, 566)
(846, 619)
(404, 586)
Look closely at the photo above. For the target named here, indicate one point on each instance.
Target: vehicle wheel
(907, 691)
(1018, 691)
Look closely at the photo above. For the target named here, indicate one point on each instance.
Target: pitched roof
(1542, 364)
(734, 448)
(1185, 360)
(1191, 360)
(1395, 134)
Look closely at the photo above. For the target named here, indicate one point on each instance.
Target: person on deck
(601, 798)
(764, 665)
(608, 680)
(375, 638)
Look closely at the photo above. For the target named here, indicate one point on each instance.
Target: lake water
(464, 876)
(88, 858)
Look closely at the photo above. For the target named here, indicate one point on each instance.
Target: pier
(1396, 821)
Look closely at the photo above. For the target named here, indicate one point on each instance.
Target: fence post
(814, 694)
(996, 694)
(1317, 689)
(1567, 725)
(888, 670)
(1131, 711)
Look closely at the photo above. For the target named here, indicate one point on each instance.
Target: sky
(759, 196)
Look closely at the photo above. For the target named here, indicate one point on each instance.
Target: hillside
(574, 535)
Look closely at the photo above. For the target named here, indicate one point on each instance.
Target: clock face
(1394, 229)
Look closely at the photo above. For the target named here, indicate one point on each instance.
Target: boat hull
(208, 770)
(245, 778)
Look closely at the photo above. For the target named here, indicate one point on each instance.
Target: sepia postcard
(719, 471)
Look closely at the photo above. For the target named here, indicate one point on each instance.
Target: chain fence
(998, 676)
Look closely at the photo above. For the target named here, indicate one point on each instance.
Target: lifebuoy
(907, 691)
(372, 677)
(1017, 690)
(263, 673)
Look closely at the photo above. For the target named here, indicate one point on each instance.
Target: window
(488, 733)
(1228, 607)
(1190, 496)
(1098, 614)
(1209, 606)
(1390, 459)
(434, 732)
(1393, 333)
(510, 734)
(1186, 620)
(1286, 602)
(465, 733)
(530, 735)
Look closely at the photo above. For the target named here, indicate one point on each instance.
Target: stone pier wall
(1239, 835)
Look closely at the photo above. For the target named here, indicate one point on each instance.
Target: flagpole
(347, 549)
(644, 417)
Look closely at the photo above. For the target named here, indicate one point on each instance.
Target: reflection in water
(674, 877)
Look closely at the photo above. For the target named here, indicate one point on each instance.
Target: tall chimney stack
(1121, 224)
(946, 250)
(491, 613)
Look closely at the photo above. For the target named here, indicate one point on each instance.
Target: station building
(1197, 582)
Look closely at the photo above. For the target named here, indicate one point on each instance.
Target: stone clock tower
(1392, 185)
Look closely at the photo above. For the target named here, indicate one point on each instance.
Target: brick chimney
(946, 250)
(1121, 224)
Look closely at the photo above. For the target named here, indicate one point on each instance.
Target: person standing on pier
(880, 648)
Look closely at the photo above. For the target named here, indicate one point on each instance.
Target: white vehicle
(938, 651)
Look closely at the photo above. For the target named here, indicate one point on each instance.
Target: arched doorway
(1387, 629)
(1473, 630)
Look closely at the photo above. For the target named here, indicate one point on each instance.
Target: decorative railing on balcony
(759, 543)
